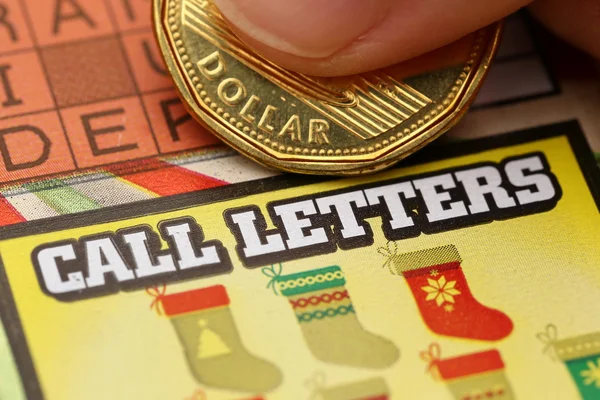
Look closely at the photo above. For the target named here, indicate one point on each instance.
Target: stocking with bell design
(211, 342)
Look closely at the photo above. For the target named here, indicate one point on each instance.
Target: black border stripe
(16, 338)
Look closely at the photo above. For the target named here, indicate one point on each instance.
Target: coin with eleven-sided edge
(337, 126)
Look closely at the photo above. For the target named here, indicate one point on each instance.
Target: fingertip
(576, 21)
(309, 28)
(342, 37)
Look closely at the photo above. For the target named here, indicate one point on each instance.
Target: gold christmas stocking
(212, 344)
(370, 389)
(328, 319)
(472, 376)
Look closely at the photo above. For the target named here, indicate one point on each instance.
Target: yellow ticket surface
(470, 273)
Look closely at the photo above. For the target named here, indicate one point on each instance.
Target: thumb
(341, 37)
(577, 21)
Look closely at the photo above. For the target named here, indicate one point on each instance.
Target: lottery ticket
(89, 121)
(469, 273)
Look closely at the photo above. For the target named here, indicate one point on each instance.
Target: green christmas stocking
(581, 355)
(328, 319)
(212, 344)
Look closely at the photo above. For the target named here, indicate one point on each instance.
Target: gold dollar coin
(294, 122)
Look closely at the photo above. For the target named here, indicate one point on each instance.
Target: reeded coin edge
(352, 161)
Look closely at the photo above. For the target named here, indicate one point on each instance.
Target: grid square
(148, 67)
(87, 72)
(33, 145)
(60, 21)
(174, 128)
(132, 14)
(14, 34)
(108, 132)
(23, 86)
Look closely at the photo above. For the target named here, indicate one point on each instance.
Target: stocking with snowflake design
(328, 319)
(474, 376)
(581, 355)
(212, 345)
(445, 301)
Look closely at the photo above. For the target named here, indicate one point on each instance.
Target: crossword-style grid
(83, 85)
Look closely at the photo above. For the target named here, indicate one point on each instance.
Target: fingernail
(305, 28)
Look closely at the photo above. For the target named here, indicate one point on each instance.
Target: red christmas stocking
(474, 376)
(368, 389)
(442, 293)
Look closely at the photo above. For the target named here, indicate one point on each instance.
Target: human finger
(341, 37)
(577, 21)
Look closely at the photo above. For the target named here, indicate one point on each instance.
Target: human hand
(341, 37)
